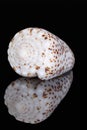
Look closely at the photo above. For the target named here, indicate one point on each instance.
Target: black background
(68, 21)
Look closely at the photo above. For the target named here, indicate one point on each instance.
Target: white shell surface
(32, 100)
(37, 52)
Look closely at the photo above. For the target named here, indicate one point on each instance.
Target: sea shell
(35, 52)
(33, 100)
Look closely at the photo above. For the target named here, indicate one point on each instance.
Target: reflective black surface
(68, 21)
(32, 100)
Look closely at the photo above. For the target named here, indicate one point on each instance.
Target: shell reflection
(33, 100)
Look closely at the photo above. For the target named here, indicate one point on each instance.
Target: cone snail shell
(35, 52)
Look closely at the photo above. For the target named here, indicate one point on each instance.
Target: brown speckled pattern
(36, 52)
(33, 100)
